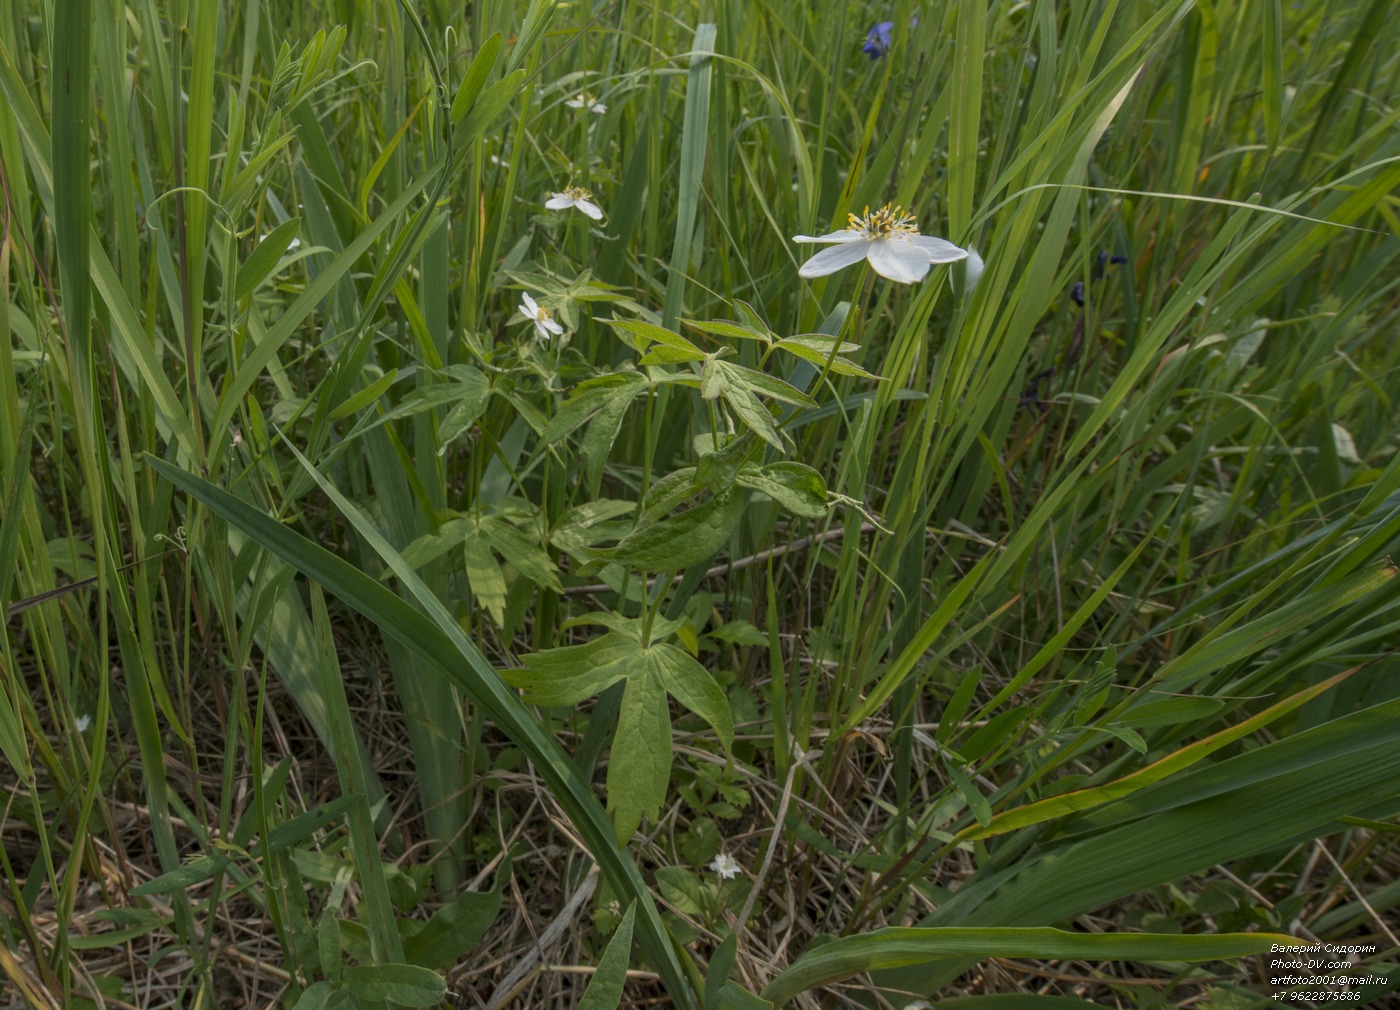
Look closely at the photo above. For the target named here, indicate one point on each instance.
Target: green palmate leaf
(401, 984)
(522, 551)
(456, 927)
(604, 990)
(679, 541)
(795, 486)
(903, 947)
(640, 766)
(265, 257)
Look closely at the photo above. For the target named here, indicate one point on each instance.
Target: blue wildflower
(878, 42)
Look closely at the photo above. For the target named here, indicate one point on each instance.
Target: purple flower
(878, 42)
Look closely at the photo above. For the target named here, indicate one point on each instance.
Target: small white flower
(586, 101)
(578, 198)
(82, 722)
(537, 314)
(725, 866)
(889, 239)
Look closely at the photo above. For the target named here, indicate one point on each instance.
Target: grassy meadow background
(1019, 638)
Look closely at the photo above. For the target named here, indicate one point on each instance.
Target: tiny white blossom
(82, 722)
(888, 239)
(725, 866)
(586, 101)
(539, 315)
(578, 198)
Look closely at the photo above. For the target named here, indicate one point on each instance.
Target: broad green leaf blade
(639, 768)
(475, 78)
(694, 687)
(682, 540)
(264, 258)
(492, 102)
(401, 984)
(795, 486)
(604, 990)
(643, 333)
(590, 397)
(899, 947)
(456, 927)
(568, 675)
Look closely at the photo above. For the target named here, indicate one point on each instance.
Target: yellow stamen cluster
(888, 221)
(542, 314)
(578, 193)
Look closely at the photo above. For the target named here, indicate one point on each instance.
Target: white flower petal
(899, 259)
(590, 208)
(939, 250)
(551, 326)
(971, 273)
(828, 261)
(529, 306)
(598, 107)
(575, 103)
(559, 201)
(845, 235)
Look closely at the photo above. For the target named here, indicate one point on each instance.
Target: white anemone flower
(725, 865)
(82, 722)
(586, 101)
(578, 198)
(539, 315)
(889, 239)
